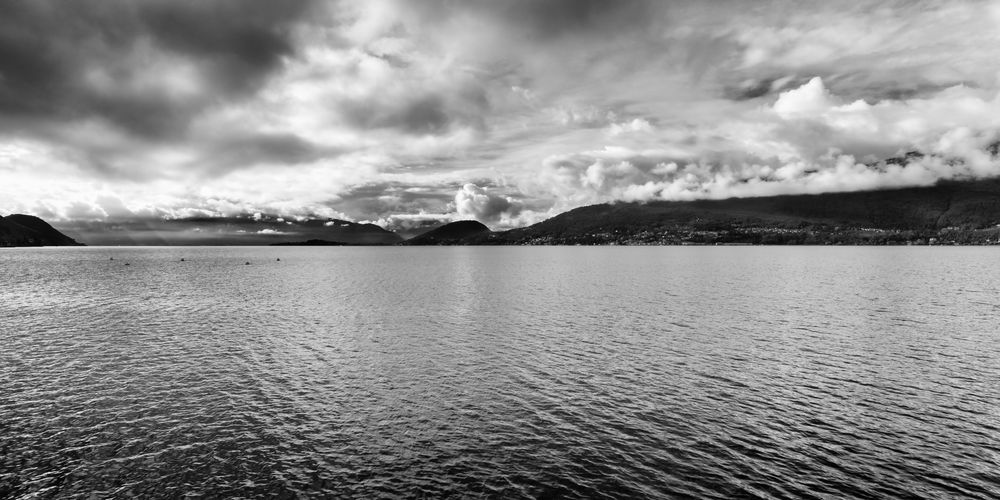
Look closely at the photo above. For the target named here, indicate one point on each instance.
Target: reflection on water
(500, 372)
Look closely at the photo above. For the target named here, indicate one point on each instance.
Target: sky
(409, 113)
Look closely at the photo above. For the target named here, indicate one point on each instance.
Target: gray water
(567, 372)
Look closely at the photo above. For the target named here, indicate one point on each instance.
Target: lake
(566, 372)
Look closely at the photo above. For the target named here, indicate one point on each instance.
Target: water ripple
(499, 372)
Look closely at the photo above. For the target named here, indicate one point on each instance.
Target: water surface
(604, 372)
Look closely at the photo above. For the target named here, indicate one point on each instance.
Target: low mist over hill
(959, 211)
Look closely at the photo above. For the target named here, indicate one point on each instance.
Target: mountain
(255, 229)
(453, 233)
(272, 229)
(964, 212)
(310, 243)
(959, 212)
(325, 232)
(19, 230)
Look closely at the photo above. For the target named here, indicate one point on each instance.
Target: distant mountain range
(256, 229)
(949, 212)
(19, 230)
(277, 230)
(961, 212)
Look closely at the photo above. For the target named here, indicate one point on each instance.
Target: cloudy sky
(407, 112)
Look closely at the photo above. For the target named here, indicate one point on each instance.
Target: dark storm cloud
(30, 66)
(558, 17)
(426, 114)
(242, 40)
(51, 51)
(432, 112)
(247, 149)
(754, 88)
(549, 18)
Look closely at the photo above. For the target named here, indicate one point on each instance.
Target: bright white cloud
(808, 141)
(808, 100)
(634, 126)
(474, 202)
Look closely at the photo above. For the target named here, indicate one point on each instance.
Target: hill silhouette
(18, 230)
(310, 243)
(337, 231)
(272, 229)
(453, 233)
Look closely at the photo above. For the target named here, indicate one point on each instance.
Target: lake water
(596, 372)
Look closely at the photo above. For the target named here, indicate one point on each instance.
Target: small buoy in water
(247, 264)
(127, 264)
(112, 258)
(182, 259)
(279, 259)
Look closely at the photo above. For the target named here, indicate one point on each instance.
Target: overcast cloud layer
(407, 112)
